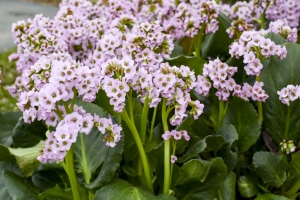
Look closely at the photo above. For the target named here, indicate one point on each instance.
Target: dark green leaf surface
(120, 189)
(28, 135)
(194, 189)
(247, 187)
(270, 197)
(217, 44)
(56, 193)
(209, 143)
(18, 187)
(277, 75)
(227, 189)
(91, 152)
(270, 167)
(196, 64)
(244, 117)
(8, 121)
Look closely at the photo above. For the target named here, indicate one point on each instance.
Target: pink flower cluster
(237, 27)
(220, 75)
(256, 92)
(289, 93)
(78, 122)
(176, 135)
(279, 27)
(286, 10)
(254, 47)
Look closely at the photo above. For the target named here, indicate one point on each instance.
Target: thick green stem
(66, 107)
(73, 100)
(221, 113)
(260, 111)
(259, 106)
(152, 123)
(262, 20)
(287, 124)
(198, 41)
(144, 120)
(129, 98)
(167, 163)
(7, 95)
(293, 190)
(140, 147)
(69, 168)
(91, 195)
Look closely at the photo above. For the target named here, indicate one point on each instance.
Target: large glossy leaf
(277, 75)
(28, 135)
(247, 186)
(294, 170)
(227, 189)
(8, 121)
(91, 152)
(47, 179)
(120, 189)
(103, 101)
(194, 189)
(244, 117)
(56, 193)
(18, 187)
(230, 158)
(270, 197)
(194, 63)
(228, 132)
(217, 44)
(270, 167)
(27, 157)
(209, 143)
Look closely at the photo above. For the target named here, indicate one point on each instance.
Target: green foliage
(276, 75)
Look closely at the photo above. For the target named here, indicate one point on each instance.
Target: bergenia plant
(164, 99)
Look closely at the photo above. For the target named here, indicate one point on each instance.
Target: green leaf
(244, 117)
(270, 197)
(277, 75)
(217, 44)
(227, 189)
(3, 191)
(294, 170)
(57, 193)
(18, 187)
(194, 189)
(209, 143)
(103, 101)
(48, 179)
(194, 63)
(247, 187)
(271, 168)
(28, 135)
(230, 158)
(195, 168)
(8, 120)
(91, 152)
(120, 189)
(228, 132)
(27, 157)
(129, 170)
(277, 39)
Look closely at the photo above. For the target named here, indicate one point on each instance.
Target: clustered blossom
(286, 10)
(173, 159)
(53, 79)
(289, 93)
(279, 27)
(189, 18)
(254, 47)
(255, 92)
(237, 27)
(220, 75)
(176, 135)
(78, 122)
(287, 146)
